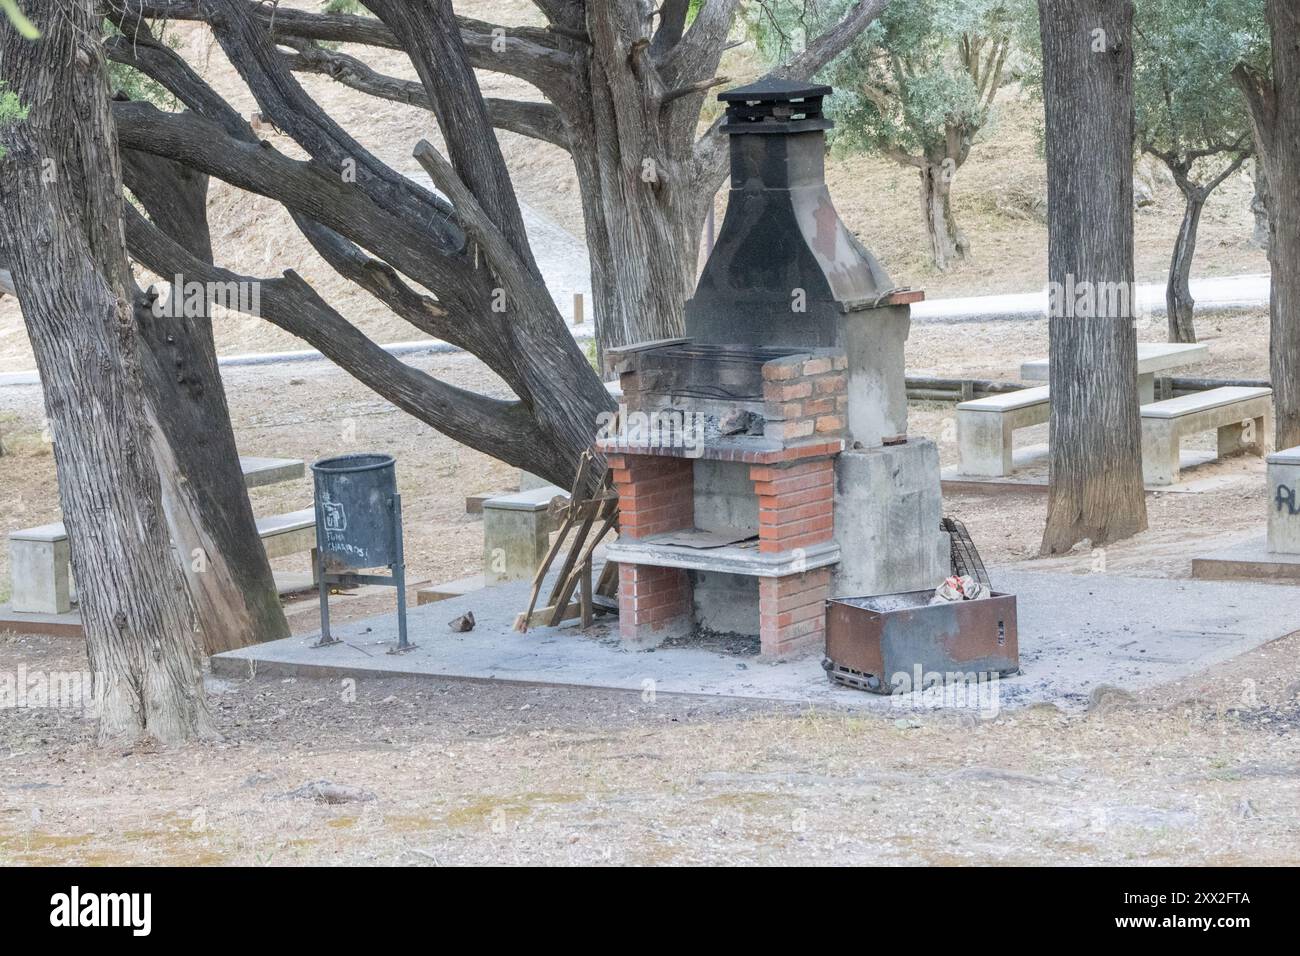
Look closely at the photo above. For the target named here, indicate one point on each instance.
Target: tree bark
(1179, 304)
(1095, 489)
(209, 514)
(1275, 119)
(948, 243)
(1259, 208)
(60, 228)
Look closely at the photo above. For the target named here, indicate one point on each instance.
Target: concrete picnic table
(260, 472)
(1152, 357)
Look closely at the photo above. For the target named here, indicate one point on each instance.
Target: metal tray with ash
(907, 639)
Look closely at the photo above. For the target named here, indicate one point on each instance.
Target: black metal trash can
(354, 513)
(359, 526)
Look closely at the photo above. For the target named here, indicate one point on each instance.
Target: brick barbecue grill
(762, 462)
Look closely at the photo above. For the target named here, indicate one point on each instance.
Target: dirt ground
(1206, 771)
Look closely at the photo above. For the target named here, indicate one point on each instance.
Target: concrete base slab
(1248, 560)
(1075, 631)
(1030, 474)
(293, 582)
(432, 593)
(67, 624)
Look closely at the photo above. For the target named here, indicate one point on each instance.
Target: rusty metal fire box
(870, 641)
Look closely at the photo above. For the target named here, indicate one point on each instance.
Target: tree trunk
(948, 244)
(60, 227)
(205, 497)
(1275, 118)
(642, 240)
(641, 207)
(207, 506)
(1095, 488)
(1259, 208)
(1179, 303)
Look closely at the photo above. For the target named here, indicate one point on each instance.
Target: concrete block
(1160, 459)
(449, 589)
(530, 482)
(1284, 501)
(516, 533)
(873, 340)
(983, 444)
(39, 563)
(887, 511)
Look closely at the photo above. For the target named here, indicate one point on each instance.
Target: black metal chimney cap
(775, 106)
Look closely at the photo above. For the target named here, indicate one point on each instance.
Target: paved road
(562, 253)
(1226, 292)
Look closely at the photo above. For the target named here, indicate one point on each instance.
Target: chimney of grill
(784, 269)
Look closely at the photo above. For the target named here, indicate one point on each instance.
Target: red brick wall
(652, 602)
(795, 504)
(806, 398)
(792, 611)
(655, 494)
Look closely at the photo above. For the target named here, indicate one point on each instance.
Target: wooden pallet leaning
(599, 511)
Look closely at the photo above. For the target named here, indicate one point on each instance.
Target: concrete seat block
(40, 559)
(1240, 415)
(1284, 502)
(517, 533)
(986, 428)
(41, 576)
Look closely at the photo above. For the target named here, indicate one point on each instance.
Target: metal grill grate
(964, 555)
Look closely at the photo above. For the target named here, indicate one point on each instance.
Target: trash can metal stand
(359, 526)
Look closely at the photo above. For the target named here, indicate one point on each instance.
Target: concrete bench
(40, 562)
(517, 533)
(985, 427)
(1240, 414)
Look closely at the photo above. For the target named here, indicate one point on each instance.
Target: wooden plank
(572, 582)
(523, 622)
(585, 602)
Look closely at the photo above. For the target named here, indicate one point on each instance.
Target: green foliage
(11, 109)
(1184, 99)
(921, 72)
(125, 79)
(353, 7)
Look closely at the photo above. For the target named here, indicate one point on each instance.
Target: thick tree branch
(287, 104)
(833, 42)
(503, 428)
(672, 24)
(535, 120)
(528, 53)
(303, 187)
(699, 50)
(440, 60)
